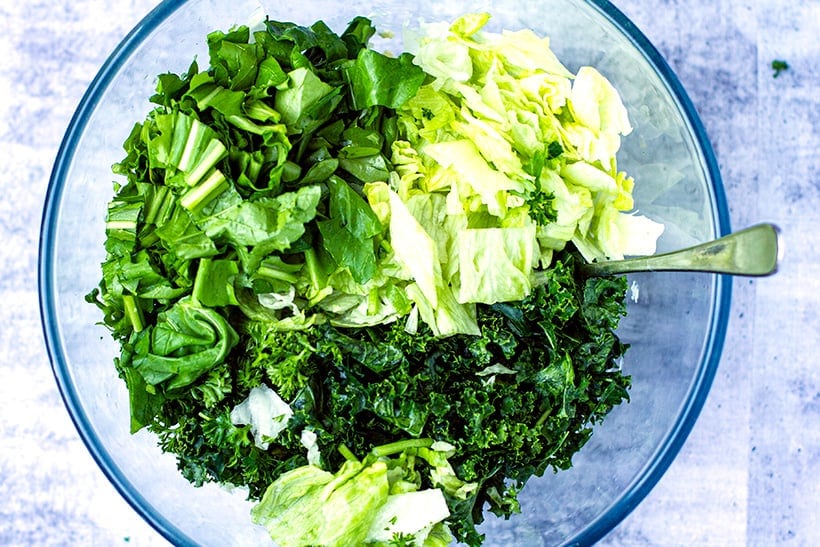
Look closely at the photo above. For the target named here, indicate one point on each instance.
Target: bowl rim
(607, 520)
(45, 278)
(668, 450)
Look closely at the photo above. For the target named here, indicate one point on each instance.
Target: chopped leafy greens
(348, 281)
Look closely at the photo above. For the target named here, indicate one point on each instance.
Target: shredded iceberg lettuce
(502, 127)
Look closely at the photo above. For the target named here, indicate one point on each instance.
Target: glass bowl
(676, 321)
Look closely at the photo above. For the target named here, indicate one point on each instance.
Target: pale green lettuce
(368, 502)
(500, 120)
(310, 506)
(495, 264)
(424, 240)
(412, 513)
(414, 248)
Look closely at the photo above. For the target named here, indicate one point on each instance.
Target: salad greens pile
(346, 280)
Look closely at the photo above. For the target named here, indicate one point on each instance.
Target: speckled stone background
(749, 474)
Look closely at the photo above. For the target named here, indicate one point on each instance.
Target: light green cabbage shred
(478, 145)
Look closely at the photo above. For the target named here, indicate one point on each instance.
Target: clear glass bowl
(676, 322)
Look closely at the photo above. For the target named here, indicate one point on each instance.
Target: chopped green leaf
(378, 80)
(202, 334)
(779, 66)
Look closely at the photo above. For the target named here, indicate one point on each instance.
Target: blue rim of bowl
(721, 299)
(597, 529)
(45, 272)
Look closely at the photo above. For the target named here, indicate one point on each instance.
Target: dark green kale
(518, 399)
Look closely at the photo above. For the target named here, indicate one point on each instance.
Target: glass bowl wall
(676, 321)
